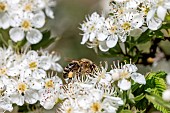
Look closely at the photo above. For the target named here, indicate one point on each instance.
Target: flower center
(28, 7)
(126, 26)
(26, 25)
(22, 87)
(3, 7)
(49, 84)
(69, 110)
(3, 71)
(96, 107)
(33, 65)
(113, 29)
(124, 74)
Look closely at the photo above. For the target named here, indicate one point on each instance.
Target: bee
(78, 68)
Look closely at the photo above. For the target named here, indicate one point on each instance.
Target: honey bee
(78, 68)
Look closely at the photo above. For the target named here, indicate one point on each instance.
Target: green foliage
(151, 93)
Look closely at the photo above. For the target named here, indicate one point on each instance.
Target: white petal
(85, 38)
(165, 95)
(130, 68)
(161, 12)
(139, 78)
(101, 36)
(31, 97)
(112, 41)
(38, 20)
(168, 79)
(44, 63)
(123, 37)
(39, 74)
(92, 36)
(6, 106)
(48, 104)
(49, 12)
(150, 14)
(57, 67)
(34, 36)
(154, 23)
(4, 20)
(124, 84)
(32, 55)
(16, 34)
(13, 71)
(103, 47)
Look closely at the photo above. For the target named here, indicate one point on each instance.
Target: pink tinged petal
(161, 12)
(38, 20)
(16, 34)
(139, 78)
(101, 37)
(92, 36)
(31, 97)
(85, 38)
(49, 12)
(103, 47)
(112, 41)
(154, 23)
(124, 84)
(39, 74)
(34, 36)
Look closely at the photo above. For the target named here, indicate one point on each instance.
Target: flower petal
(124, 84)
(139, 78)
(38, 20)
(112, 41)
(16, 34)
(34, 36)
(161, 12)
(49, 12)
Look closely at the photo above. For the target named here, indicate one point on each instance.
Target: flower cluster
(24, 78)
(126, 18)
(86, 96)
(25, 18)
(99, 92)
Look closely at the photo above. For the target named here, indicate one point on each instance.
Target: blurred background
(69, 14)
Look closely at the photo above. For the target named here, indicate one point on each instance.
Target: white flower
(20, 92)
(32, 65)
(49, 95)
(166, 95)
(91, 27)
(28, 23)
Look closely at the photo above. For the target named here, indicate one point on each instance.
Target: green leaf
(139, 97)
(158, 103)
(146, 36)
